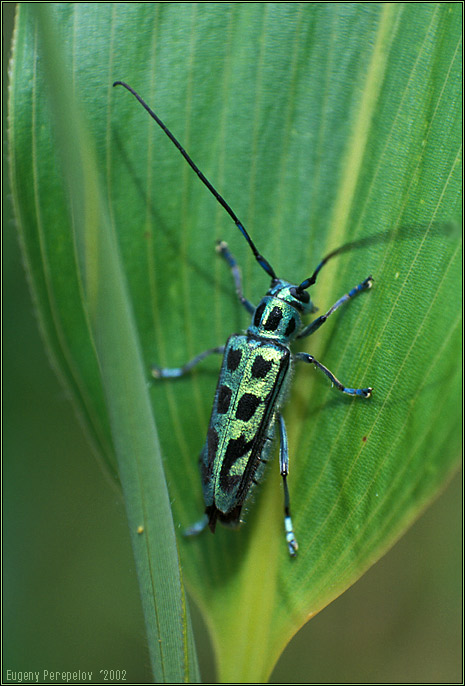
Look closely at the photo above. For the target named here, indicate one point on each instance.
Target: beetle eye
(301, 296)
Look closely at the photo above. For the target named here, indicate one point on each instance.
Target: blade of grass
(133, 430)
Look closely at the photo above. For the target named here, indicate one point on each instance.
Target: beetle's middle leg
(306, 357)
(175, 372)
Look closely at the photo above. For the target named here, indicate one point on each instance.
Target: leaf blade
(382, 169)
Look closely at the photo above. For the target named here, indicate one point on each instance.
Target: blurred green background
(70, 591)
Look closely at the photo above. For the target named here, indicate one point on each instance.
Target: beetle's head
(279, 313)
(292, 294)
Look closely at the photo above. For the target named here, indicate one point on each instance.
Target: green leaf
(322, 125)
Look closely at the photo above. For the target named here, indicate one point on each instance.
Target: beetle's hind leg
(209, 517)
(197, 527)
(284, 469)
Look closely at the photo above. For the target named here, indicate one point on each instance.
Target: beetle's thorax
(278, 314)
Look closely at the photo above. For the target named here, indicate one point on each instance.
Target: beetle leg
(305, 357)
(313, 326)
(175, 372)
(284, 469)
(223, 250)
(197, 527)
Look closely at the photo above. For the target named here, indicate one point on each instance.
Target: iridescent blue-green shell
(251, 388)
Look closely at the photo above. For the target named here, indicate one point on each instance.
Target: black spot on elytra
(247, 406)
(237, 447)
(290, 327)
(258, 314)
(224, 398)
(260, 367)
(234, 358)
(273, 320)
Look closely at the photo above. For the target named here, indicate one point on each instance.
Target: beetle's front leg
(223, 250)
(313, 326)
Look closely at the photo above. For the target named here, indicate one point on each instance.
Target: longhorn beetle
(253, 381)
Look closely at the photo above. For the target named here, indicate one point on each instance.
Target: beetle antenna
(311, 279)
(264, 264)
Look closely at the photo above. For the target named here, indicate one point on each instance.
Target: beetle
(253, 381)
